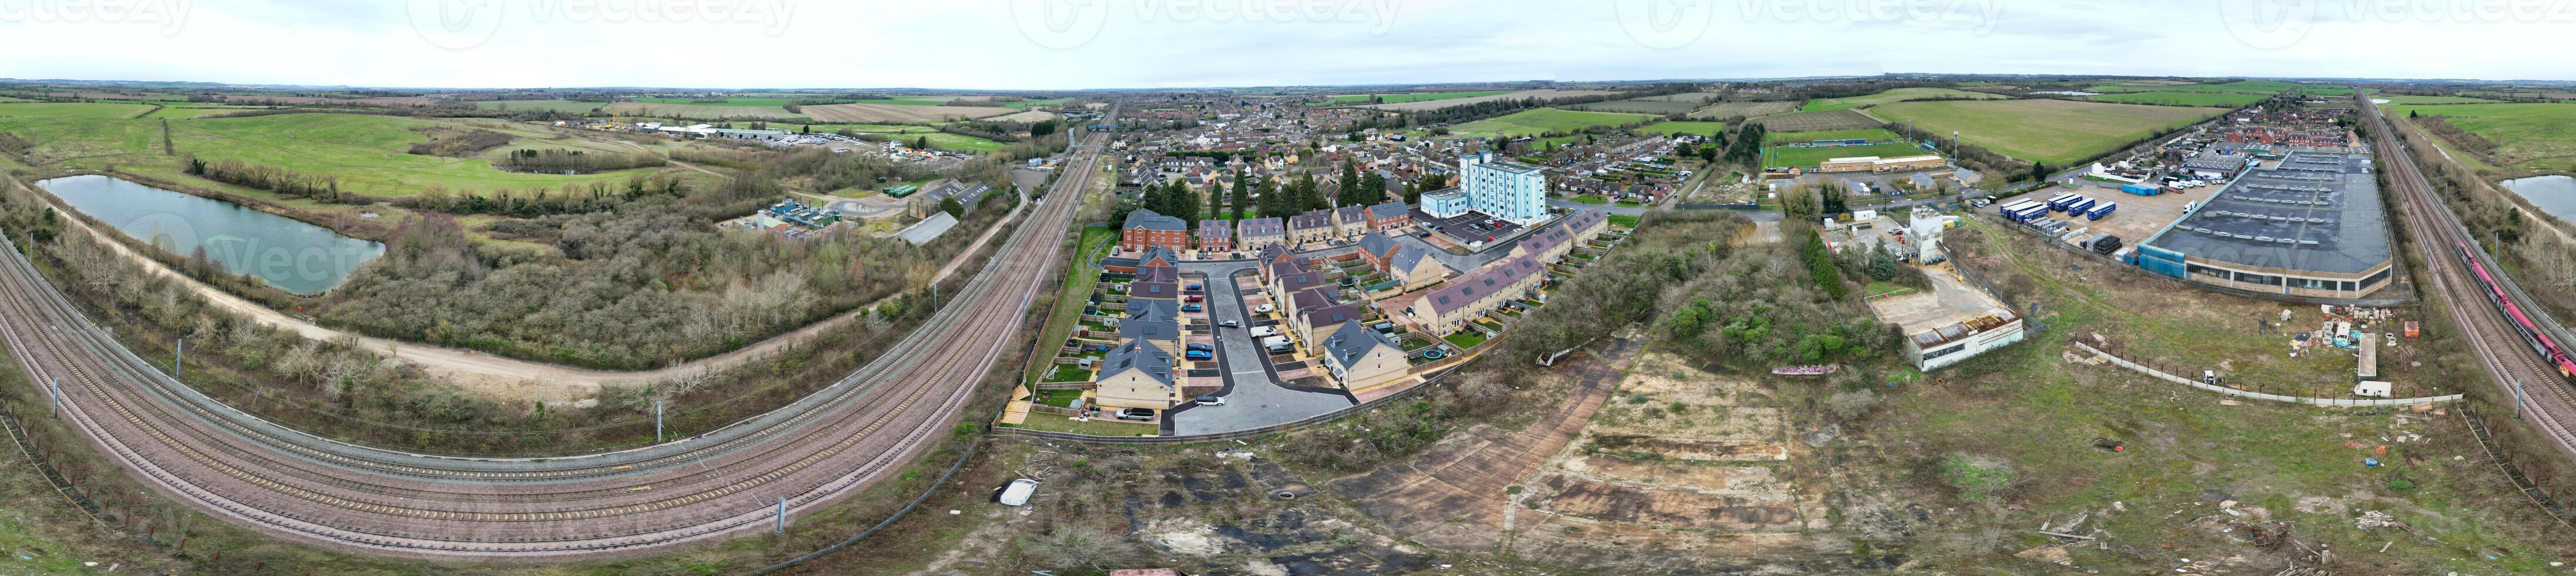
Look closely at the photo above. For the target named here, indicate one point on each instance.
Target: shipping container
(2103, 210)
(2059, 203)
(2142, 189)
(2014, 206)
(2079, 205)
(2027, 213)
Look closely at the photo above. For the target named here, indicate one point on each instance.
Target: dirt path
(503, 378)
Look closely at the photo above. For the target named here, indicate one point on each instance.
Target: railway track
(722, 483)
(2549, 401)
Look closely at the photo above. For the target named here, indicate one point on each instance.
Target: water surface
(294, 256)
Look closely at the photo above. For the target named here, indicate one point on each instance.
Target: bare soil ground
(1028, 116)
(1745, 109)
(896, 113)
(1439, 104)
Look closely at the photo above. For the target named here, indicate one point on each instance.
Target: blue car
(1197, 355)
(1190, 308)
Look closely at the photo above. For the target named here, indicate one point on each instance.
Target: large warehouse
(2310, 226)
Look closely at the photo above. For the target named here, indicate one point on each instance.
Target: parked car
(1018, 492)
(1192, 287)
(1264, 309)
(1230, 324)
(1197, 346)
(1190, 308)
(1135, 414)
(1197, 298)
(1198, 355)
(1211, 401)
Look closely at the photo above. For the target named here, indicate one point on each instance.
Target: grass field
(1542, 121)
(727, 101)
(2226, 99)
(72, 110)
(715, 111)
(1773, 157)
(2245, 87)
(565, 106)
(898, 113)
(2527, 136)
(2057, 132)
(1416, 97)
(1671, 127)
(2434, 100)
(1893, 96)
(1744, 109)
(368, 153)
(1656, 107)
(1845, 119)
(1869, 133)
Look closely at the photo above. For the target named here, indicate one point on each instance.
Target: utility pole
(57, 387)
(782, 515)
(2517, 398)
(657, 420)
(179, 360)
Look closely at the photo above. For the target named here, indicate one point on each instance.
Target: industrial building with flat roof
(2310, 226)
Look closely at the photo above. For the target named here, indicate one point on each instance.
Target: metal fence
(2160, 375)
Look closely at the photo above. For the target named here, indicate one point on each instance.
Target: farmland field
(1413, 97)
(1547, 94)
(2054, 131)
(1810, 157)
(1845, 119)
(1745, 109)
(367, 153)
(705, 111)
(2225, 99)
(2245, 87)
(1872, 134)
(1656, 107)
(564, 106)
(891, 113)
(1684, 127)
(726, 102)
(1682, 97)
(2554, 95)
(1543, 120)
(73, 110)
(2433, 100)
(2526, 136)
(1892, 96)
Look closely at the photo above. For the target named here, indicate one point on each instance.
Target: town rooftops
(1488, 280)
(1311, 220)
(1389, 210)
(1151, 273)
(1378, 245)
(1351, 214)
(1271, 253)
(1156, 290)
(1352, 341)
(2316, 211)
(1312, 298)
(1299, 280)
(1332, 315)
(1258, 227)
(1152, 308)
(1158, 252)
(1138, 355)
(1212, 229)
(1147, 219)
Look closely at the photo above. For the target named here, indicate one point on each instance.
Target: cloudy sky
(1067, 44)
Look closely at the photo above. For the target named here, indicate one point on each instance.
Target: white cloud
(1020, 44)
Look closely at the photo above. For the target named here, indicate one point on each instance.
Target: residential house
(1411, 268)
(1459, 301)
(1254, 233)
(1146, 228)
(1158, 255)
(1315, 325)
(1350, 221)
(1291, 278)
(1360, 358)
(1216, 236)
(1312, 226)
(1137, 374)
(1390, 216)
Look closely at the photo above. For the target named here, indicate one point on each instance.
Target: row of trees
(562, 160)
(543, 201)
(284, 182)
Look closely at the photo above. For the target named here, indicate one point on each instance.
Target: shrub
(1852, 404)
(1977, 477)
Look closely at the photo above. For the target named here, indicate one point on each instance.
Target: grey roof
(1153, 308)
(1158, 251)
(2216, 162)
(1147, 219)
(1406, 260)
(1353, 341)
(2316, 211)
(1312, 298)
(1330, 315)
(1212, 229)
(1138, 355)
(1269, 252)
(1157, 274)
(1311, 220)
(1445, 193)
(1351, 214)
(1458, 293)
(1510, 166)
(1377, 244)
(965, 194)
(928, 229)
(1300, 280)
(1258, 227)
(1160, 290)
(1153, 321)
(1390, 210)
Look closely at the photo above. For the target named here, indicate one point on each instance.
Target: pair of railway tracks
(722, 483)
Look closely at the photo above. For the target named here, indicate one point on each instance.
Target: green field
(565, 106)
(1773, 157)
(1684, 127)
(367, 153)
(2265, 87)
(727, 101)
(1874, 134)
(1542, 121)
(1844, 119)
(72, 110)
(699, 110)
(1418, 97)
(2226, 99)
(2527, 136)
(2057, 132)
(1893, 96)
(2434, 100)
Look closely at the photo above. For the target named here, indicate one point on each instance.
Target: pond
(2555, 195)
(294, 256)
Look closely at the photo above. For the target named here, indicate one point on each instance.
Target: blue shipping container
(2103, 210)
(2026, 214)
(2142, 189)
(2079, 206)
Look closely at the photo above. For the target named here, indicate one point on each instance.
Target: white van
(1017, 494)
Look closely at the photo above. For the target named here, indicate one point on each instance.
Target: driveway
(1253, 395)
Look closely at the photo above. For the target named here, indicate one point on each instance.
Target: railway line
(2506, 350)
(726, 482)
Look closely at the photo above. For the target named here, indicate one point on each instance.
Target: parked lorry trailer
(2103, 210)
(2059, 203)
(2079, 205)
(2014, 206)
(2027, 213)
